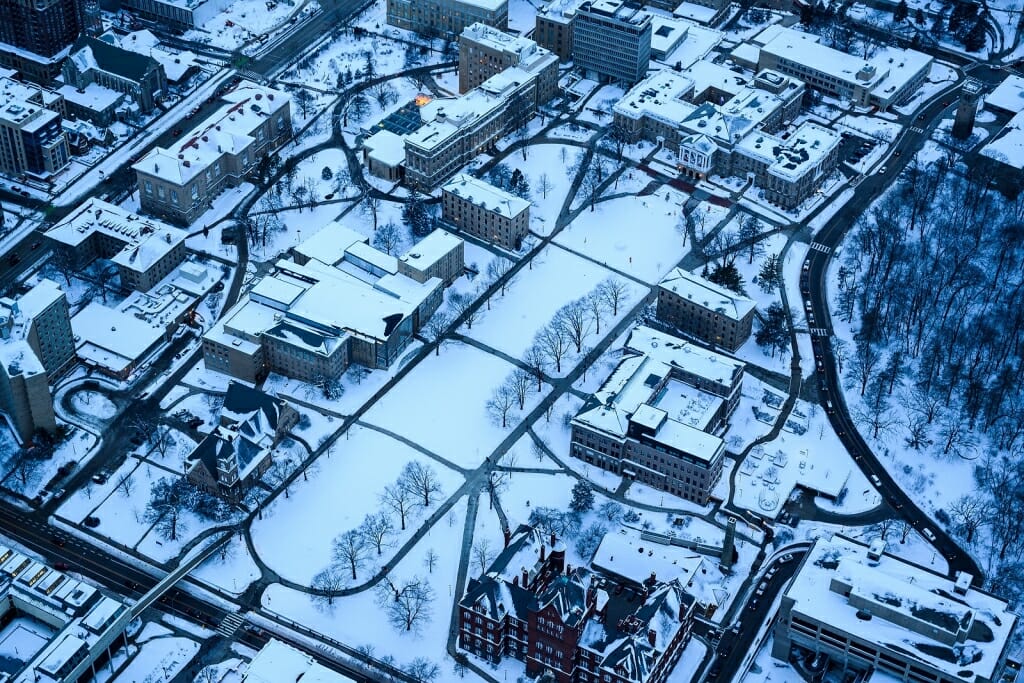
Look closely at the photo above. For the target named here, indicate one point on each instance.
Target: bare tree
(482, 554)
(520, 382)
(329, 581)
(464, 307)
(497, 269)
(614, 293)
(371, 207)
(422, 480)
(436, 328)
(376, 528)
(408, 603)
(903, 528)
(126, 484)
(554, 342)
(162, 439)
(544, 185)
(574, 317)
(969, 513)
(388, 238)
(384, 93)
(351, 551)
(430, 560)
(502, 400)
(597, 307)
(400, 500)
(537, 361)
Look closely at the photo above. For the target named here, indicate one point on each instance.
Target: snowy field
(535, 295)
(355, 470)
(455, 426)
(635, 235)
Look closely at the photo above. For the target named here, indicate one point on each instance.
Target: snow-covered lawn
(552, 161)
(636, 235)
(231, 569)
(295, 533)
(442, 405)
(535, 295)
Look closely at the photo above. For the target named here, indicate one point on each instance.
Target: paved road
(814, 287)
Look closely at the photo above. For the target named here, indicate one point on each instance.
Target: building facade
(140, 77)
(485, 52)
(37, 348)
(702, 309)
(446, 18)
(553, 27)
(180, 183)
(572, 625)
(657, 417)
(862, 609)
(31, 139)
(612, 40)
(35, 34)
(144, 250)
(482, 210)
(440, 254)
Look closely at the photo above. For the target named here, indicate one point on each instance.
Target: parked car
(99, 478)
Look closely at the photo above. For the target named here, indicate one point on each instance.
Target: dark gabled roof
(494, 597)
(116, 60)
(208, 451)
(241, 400)
(568, 596)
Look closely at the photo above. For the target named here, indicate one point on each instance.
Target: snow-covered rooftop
(624, 553)
(431, 249)
(486, 196)
(113, 338)
(278, 662)
(963, 635)
(1009, 146)
(707, 294)
(229, 130)
(499, 40)
(146, 240)
(675, 352)
(94, 96)
(1008, 95)
(839, 65)
(792, 158)
(900, 67)
(385, 147)
(330, 243)
(176, 63)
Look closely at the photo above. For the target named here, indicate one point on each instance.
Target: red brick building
(572, 624)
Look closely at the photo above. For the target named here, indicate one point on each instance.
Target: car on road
(760, 589)
(929, 534)
(753, 604)
(771, 572)
(828, 407)
(99, 478)
(875, 480)
(807, 266)
(920, 117)
(898, 152)
(882, 170)
(786, 558)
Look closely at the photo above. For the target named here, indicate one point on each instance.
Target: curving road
(814, 288)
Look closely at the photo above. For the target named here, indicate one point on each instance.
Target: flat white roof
(93, 96)
(386, 148)
(707, 294)
(797, 155)
(431, 249)
(675, 352)
(911, 593)
(839, 65)
(277, 662)
(329, 243)
(1009, 146)
(624, 553)
(1008, 95)
(498, 40)
(486, 196)
(115, 331)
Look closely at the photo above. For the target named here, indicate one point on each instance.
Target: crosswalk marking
(823, 248)
(819, 332)
(231, 623)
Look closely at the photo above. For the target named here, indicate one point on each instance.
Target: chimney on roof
(186, 163)
(270, 96)
(554, 540)
(507, 534)
(259, 96)
(526, 578)
(515, 580)
(543, 552)
(652, 637)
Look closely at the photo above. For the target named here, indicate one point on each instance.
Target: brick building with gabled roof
(573, 625)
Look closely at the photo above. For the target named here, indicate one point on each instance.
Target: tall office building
(612, 39)
(35, 34)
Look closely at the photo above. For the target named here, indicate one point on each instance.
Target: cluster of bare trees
(573, 323)
(934, 274)
(416, 488)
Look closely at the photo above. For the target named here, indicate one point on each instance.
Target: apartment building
(889, 78)
(96, 61)
(145, 250)
(865, 610)
(573, 625)
(440, 254)
(482, 210)
(553, 27)
(313, 317)
(446, 18)
(458, 129)
(179, 183)
(657, 415)
(36, 34)
(485, 52)
(611, 40)
(36, 345)
(32, 140)
(179, 14)
(72, 623)
(700, 308)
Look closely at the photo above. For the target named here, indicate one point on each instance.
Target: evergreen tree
(582, 497)
(728, 276)
(773, 333)
(900, 12)
(519, 185)
(919, 17)
(768, 278)
(415, 214)
(975, 38)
